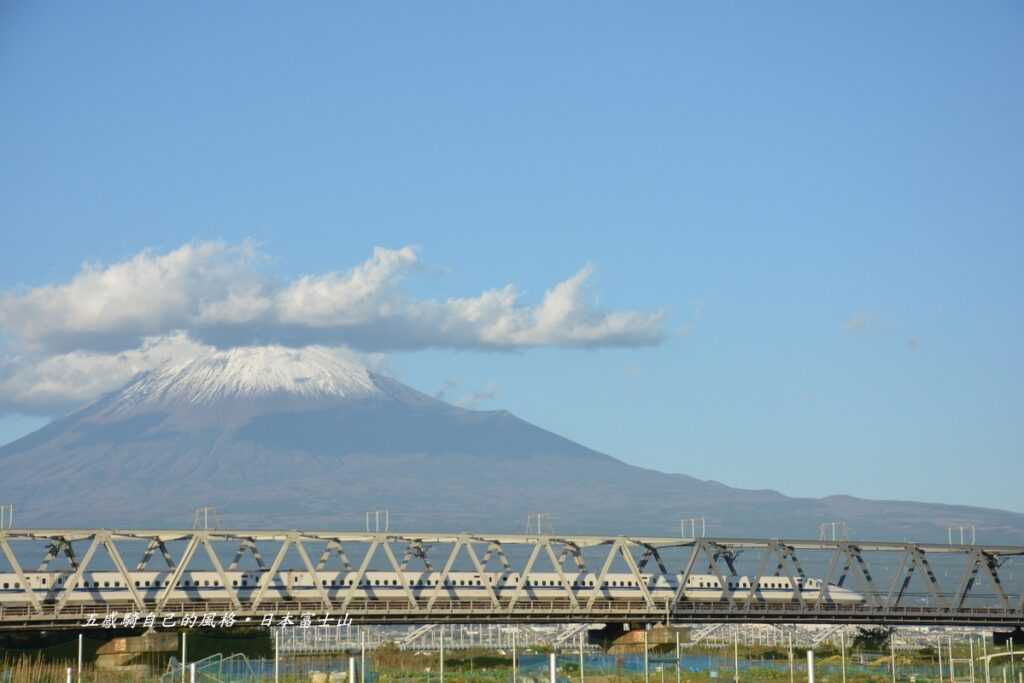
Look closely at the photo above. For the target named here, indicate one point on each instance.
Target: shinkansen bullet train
(104, 586)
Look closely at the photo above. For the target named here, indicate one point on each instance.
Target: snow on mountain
(249, 372)
(308, 438)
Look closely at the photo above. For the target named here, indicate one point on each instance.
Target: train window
(216, 582)
(44, 580)
(376, 582)
(146, 583)
(136, 584)
(6, 586)
(106, 584)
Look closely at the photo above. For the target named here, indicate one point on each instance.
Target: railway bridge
(49, 580)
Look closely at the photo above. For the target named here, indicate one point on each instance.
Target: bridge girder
(439, 603)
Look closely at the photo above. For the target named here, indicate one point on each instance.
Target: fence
(240, 669)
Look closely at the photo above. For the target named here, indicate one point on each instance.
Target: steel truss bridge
(902, 583)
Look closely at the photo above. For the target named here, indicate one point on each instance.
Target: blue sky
(823, 201)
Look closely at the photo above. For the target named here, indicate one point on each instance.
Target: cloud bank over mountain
(69, 342)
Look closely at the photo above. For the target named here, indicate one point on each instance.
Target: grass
(487, 666)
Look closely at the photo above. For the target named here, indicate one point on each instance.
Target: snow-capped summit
(309, 438)
(252, 372)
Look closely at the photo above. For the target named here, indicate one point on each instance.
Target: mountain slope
(276, 437)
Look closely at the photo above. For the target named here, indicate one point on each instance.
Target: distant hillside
(277, 437)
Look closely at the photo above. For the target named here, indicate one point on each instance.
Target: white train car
(101, 586)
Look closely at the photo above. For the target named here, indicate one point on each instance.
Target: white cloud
(54, 385)
(68, 343)
(113, 308)
(451, 391)
(856, 323)
(215, 294)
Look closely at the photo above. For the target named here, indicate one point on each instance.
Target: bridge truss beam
(640, 558)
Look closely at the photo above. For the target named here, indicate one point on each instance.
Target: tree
(876, 639)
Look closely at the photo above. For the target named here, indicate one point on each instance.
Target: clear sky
(811, 213)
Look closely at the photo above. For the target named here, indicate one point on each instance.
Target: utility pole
(736, 656)
(792, 673)
(7, 516)
(949, 642)
(377, 526)
(515, 668)
(892, 650)
(692, 522)
(678, 662)
(647, 672)
(842, 649)
(582, 634)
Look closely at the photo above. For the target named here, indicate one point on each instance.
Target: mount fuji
(307, 438)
